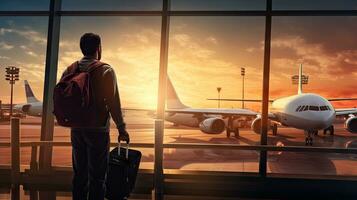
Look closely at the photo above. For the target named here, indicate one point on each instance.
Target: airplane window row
(312, 108)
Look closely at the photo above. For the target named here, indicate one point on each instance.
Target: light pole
(242, 73)
(219, 96)
(12, 75)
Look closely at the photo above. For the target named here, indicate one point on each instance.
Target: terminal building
(199, 49)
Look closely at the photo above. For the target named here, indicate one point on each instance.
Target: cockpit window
(323, 108)
(314, 108)
(298, 108)
(302, 108)
(306, 108)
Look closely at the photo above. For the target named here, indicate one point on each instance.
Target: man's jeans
(90, 155)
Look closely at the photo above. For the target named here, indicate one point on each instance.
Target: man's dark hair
(89, 43)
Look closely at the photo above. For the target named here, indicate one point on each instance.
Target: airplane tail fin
(30, 97)
(172, 100)
(300, 80)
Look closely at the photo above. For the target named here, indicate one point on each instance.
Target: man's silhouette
(90, 144)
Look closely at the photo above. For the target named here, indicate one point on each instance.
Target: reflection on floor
(210, 159)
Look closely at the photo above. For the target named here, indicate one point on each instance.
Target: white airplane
(209, 120)
(306, 111)
(33, 107)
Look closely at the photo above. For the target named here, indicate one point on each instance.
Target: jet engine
(256, 125)
(25, 108)
(212, 126)
(351, 124)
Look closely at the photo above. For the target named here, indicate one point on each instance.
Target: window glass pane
(206, 53)
(14, 5)
(328, 56)
(324, 165)
(112, 5)
(23, 42)
(131, 45)
(315, 5)
(218, 5)
(314, 108)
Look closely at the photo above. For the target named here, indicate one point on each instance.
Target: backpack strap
(95, 65)
(73, 68)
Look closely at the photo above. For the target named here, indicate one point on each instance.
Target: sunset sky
(204, 53)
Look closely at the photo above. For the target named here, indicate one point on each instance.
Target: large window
(24, 5)
(209, 43)
(327, 56)
(206, 53)
(131, 46)
(23, 43)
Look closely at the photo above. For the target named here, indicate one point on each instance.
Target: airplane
(33, 106)
(306, 111)
(208, 120)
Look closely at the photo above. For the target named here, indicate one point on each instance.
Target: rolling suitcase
(122, 171)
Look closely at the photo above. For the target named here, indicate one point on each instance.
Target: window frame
(55, 13)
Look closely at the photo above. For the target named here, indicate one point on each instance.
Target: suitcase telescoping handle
(126, 152)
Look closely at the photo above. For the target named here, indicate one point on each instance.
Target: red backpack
(73, 99)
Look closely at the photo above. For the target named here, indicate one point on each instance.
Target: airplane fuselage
(32, 109)
(304, 111)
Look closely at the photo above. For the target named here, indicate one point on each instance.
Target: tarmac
(141, 130)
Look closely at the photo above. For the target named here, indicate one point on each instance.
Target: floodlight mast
(219, 96)
(242, 73)
(12, 75)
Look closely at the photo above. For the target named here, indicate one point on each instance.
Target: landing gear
(330, 129)
(275, 129)
(309, 137)
(230, 128)
(235, 131)
(316, 132)
(308, 141)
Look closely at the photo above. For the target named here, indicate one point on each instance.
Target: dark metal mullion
(217, 13)
(24, 13)
(186, 13)
(47, 125)
(265, 102)
(158, 192)
(314, 13)
(109, 13)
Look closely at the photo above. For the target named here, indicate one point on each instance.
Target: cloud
(314, 55)
(28, 33)
(5, 57)
(191, 47)
(212, 40)
(5, 46)
(31, 53)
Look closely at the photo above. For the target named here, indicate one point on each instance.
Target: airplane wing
(343, 99)
(139, 109)
(246, 100)
(223, 112)
(346, 111)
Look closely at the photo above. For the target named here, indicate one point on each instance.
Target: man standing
(90, 143)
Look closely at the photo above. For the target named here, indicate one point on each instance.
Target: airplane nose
(321, 120)
(328, 119)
